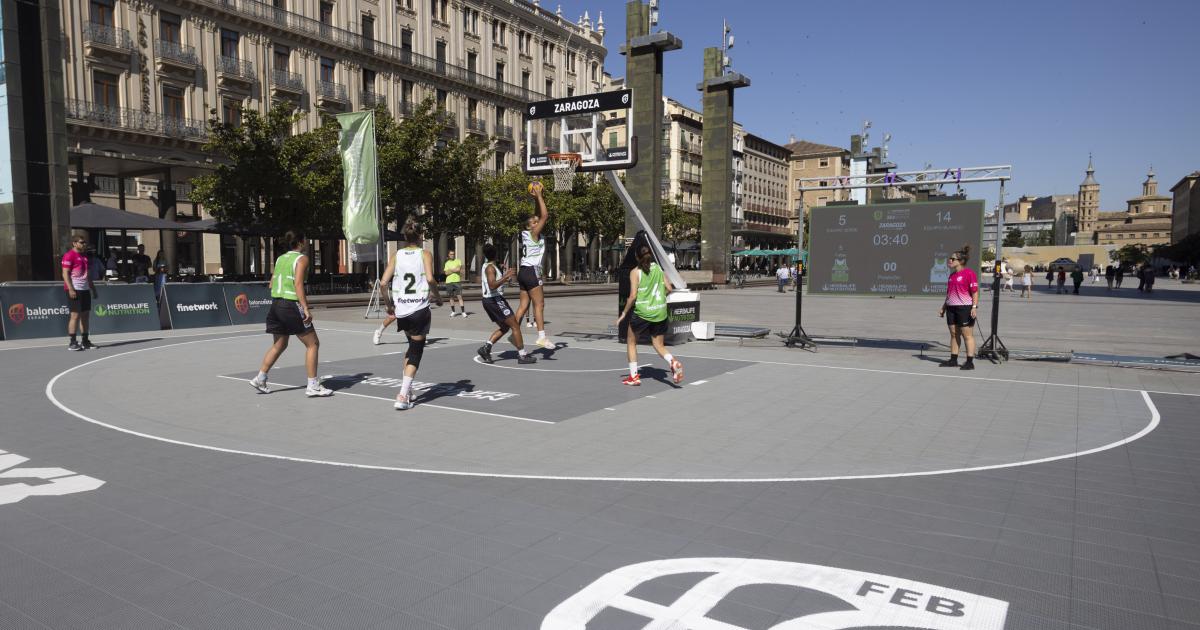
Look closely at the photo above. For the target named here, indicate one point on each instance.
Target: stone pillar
(166, 210)
(643, 52)
(716, 185)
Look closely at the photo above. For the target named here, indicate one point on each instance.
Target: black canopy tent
(93, 216)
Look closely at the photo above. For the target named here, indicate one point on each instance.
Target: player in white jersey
(406, 285)
(498, 309)
(529, 278)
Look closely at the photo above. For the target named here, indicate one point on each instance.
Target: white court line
(698, 382)
(1155, 419)
(478, 360)
(163, 337)
(340, 392)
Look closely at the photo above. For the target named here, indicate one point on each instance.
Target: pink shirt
(78, 265)
(960, 287)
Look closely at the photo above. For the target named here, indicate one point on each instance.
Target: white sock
(314, 383)
(541, 335)
(520, 352)
(406, 385)
(669, 359)
(633, 368)
(262, 376)
(382, 327)
(487, 343)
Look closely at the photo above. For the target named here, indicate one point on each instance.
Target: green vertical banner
(360, 184)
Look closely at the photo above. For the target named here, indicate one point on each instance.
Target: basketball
(535, 185)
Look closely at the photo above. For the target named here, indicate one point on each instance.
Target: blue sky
(1033, 84)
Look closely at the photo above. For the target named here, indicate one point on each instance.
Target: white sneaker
(403, 402)
(545, 342)
(453, 314)
(378, 336)
(528, 324)
(320, 391)
(260, 385)
(466, 314)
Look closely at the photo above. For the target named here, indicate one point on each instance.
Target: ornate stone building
(1088, 206)
(1146, 219)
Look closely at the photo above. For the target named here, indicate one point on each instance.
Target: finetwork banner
(360, 185)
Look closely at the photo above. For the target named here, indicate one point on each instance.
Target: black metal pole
(798, 337)
(993, 348)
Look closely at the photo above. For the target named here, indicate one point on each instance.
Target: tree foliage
(1131, 255)
(1186, 251)
(1014, 238)
(679, 224)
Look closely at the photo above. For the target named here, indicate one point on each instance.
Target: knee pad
(415, 350)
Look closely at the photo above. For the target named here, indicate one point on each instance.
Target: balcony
(327, 35)
(372, 99)
(132, 120)
(407, 108)
(691, 177)
(504, 132)
(689, 206)
(232, 71)
(476, 126)
(173, 56)
(102, 40)
(286, 83)
(330, 94)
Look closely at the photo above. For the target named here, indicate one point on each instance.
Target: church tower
(1089, 205)
(1150, 186)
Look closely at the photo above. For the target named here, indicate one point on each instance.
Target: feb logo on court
(241, 303)
(870, 600)
(16, 313)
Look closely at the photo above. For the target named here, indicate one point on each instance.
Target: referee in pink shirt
(80, 288)
(959, 309)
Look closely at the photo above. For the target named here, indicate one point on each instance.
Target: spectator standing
(1077, 278)
(1049, 278)
(1110, 272)
(141, 265)
(452, 269)
(80, 286)
(1007, 273)
(782, 275)
(1062, 280)
(1027, 282)
(160, 275)
(1120, 274)
(1149, 279)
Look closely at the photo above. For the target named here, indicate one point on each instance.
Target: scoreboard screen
(892, 248)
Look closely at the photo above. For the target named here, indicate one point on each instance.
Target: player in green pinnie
(648, 288)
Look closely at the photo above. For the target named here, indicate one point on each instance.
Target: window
(571, 62)
(368, 28)
(282, 57)
(328, 66)
(499, 33)
(570, 91)
(472, 108)
(593, 70)
(612, 139)
(823, 162)
(442, 98)
(168, 27)
(327, 13)
(172, 102)
(500, 71)
(525, 79)
(472, 62)
(499, 161)
(524, 41)
(471, 21)
(549, 87)
(406, 39)
(231, 111)
(101, 12)
(229, 43)
(104, 89)
(441, 51)
(799, 165)
(406, 92)
(368, 81)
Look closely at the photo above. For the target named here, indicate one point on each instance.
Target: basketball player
(498, 309)
(648, 289)
(406, 285)
(290, 315)
(529, 278)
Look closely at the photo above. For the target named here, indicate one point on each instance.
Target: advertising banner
(892, 248)
(680, 316)
(195, 305)
(247, 303)
(31, 312)
(360, 187)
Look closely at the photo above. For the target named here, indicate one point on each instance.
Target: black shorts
(959, 316)
(642, 327)
(415, 324)
(82, 302)
(286, 318)
(453, 289)
(497, 309)
(529, 277)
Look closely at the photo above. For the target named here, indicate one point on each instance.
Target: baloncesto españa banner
(360, 186)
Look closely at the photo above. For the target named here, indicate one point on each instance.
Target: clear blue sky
(1033, 84)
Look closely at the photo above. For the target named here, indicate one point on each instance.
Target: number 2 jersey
(410, 289)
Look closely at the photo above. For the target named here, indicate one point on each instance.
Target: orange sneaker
(634, 380)
(676, 371)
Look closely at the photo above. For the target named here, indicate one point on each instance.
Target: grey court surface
(145, 485)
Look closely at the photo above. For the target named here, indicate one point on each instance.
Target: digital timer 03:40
(889, 239)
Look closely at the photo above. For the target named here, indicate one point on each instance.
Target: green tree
(1186, 251)
(1132, 255)
(679, 224)
(1014, 238)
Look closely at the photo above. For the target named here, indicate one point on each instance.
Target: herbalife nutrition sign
(32, 312)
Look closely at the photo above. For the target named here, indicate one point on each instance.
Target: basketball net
(563, 166)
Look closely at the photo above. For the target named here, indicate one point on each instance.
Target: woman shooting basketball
(529, 278)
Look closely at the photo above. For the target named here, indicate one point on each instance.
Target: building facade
(1185, 207)
(143, 76)
(1146, 219)
(811, 159)
(766, 221)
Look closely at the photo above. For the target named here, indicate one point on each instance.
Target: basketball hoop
(564, 166)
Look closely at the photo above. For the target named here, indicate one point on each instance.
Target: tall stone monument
(716, 186)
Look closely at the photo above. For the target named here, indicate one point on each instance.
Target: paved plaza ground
(146, 486)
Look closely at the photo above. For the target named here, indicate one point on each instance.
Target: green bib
(283, 280)
(651, 304)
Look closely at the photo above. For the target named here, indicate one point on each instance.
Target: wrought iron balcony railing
(234, 67)
(134, 120)
(96, 33)
(175, 51)
(287, 80)
(331, 90)
(476, 125)
(504, 132)
(371, 98)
